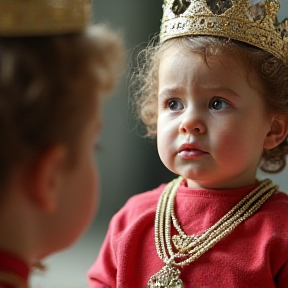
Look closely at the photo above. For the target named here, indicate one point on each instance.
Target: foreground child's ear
(45, 178)
(278, 132)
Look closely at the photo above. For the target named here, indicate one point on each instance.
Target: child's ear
(45, 178)
(278, 132)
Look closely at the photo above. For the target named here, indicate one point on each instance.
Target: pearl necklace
(189, 248)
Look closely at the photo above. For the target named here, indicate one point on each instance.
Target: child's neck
(226, 184)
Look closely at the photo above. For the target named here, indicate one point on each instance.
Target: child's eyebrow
(222, 89)
(178, 91)
(171, 91)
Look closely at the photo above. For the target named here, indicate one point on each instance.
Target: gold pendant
(167, 277)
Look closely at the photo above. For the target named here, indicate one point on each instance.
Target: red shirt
(254, 255)
(13, 271)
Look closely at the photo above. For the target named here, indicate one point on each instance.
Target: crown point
(272, 9)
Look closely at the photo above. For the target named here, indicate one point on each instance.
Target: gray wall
(128, 163)
(283, 13)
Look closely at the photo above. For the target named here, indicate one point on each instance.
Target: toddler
(53, 72)
(215, 92)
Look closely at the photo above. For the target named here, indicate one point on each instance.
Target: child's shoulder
(275, 210)
(147, 197)
(140, 207)
(279, 201)
(146, 200)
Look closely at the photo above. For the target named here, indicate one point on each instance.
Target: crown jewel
(43, 17)
(251, 21)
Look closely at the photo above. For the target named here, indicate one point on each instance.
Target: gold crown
(251, 21)
(43, 17)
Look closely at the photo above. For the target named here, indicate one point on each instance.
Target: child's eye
(218, 104)
(175, 105)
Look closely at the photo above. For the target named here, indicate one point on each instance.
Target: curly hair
(48, 86)
(271, 71)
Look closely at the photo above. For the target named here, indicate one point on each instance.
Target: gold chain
(189, 248)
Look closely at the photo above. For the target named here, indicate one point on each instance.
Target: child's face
(211, 123)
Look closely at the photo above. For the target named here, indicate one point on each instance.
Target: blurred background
(128, 163)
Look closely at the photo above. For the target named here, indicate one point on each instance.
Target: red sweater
(254, 255)
(14, 272)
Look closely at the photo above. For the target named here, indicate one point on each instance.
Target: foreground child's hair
(271, 71)
(47, 85)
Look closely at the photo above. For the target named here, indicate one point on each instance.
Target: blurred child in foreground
(54, 70)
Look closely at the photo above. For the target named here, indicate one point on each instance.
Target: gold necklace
(189, 248)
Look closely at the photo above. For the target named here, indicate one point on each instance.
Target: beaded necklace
(189, 248)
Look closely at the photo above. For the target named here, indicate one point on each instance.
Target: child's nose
(192, 124)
